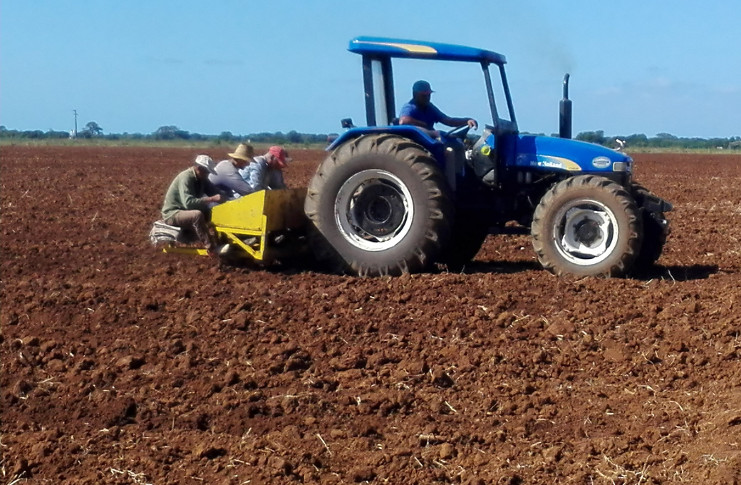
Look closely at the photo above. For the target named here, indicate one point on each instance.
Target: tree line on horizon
(661, 140)
(172, 133)
(166, 133)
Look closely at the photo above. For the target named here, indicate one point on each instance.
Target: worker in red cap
(420, 111)
(266, 171)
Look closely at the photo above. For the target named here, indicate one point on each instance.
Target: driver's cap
(422, 87)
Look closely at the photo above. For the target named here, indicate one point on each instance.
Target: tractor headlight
(622, 167)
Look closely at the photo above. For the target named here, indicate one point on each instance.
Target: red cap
(281, 156)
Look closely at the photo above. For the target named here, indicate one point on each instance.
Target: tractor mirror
(347, 123)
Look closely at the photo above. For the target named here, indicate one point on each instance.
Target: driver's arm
(460, 122)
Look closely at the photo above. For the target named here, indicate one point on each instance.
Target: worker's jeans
(195, 221)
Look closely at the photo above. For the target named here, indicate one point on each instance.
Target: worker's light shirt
(259, 176)
(227, 178)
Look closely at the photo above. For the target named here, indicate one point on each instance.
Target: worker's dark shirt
(428, 115)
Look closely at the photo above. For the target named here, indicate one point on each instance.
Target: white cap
(206, 162)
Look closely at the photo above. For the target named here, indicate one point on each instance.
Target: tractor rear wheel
(469, 234)
(378, 205)
(587, 226)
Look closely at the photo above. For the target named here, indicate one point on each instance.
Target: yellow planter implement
(264, 226)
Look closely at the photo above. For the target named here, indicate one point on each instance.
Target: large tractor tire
(654, 238)
(378, 205)
(654, 232)
(469, 234)
(587, 226)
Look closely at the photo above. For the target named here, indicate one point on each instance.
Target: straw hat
(243, 152)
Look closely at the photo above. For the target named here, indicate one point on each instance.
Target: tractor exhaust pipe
(564, 119)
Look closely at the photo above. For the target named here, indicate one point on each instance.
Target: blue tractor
(392, 199)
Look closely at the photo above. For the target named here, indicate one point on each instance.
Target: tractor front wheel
(655, 230)
(587, 226)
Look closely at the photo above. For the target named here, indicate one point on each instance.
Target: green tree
(666, 136)
(636, 140)
(597, 137)
(294, 137)
(170, 133)
(93, 128)
(226, 136)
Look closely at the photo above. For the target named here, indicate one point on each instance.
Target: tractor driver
(189, 200)
(419, 111)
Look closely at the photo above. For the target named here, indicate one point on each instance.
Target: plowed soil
(124, 365)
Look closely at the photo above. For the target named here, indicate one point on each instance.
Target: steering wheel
(459, 132)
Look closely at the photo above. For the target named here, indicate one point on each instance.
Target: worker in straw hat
(189, 199)
(266, 171)
(227, 176)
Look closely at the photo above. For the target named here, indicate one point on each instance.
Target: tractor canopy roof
(416, 49)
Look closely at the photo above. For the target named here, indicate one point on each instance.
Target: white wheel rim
(585, 232)
(374, 210)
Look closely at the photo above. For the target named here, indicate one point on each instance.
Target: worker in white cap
(189, 199)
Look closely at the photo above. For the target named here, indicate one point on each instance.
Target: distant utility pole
(74, 133)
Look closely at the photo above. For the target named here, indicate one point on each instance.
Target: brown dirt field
(124, 365)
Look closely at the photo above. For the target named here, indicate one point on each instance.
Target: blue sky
(277, 65)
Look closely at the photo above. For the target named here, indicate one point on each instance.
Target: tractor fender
(417, 135)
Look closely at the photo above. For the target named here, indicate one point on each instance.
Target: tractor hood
(549, 154)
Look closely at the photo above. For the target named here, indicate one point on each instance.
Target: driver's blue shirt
(428, 115)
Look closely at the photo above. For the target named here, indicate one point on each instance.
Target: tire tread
(620, 266)
(421, 162)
